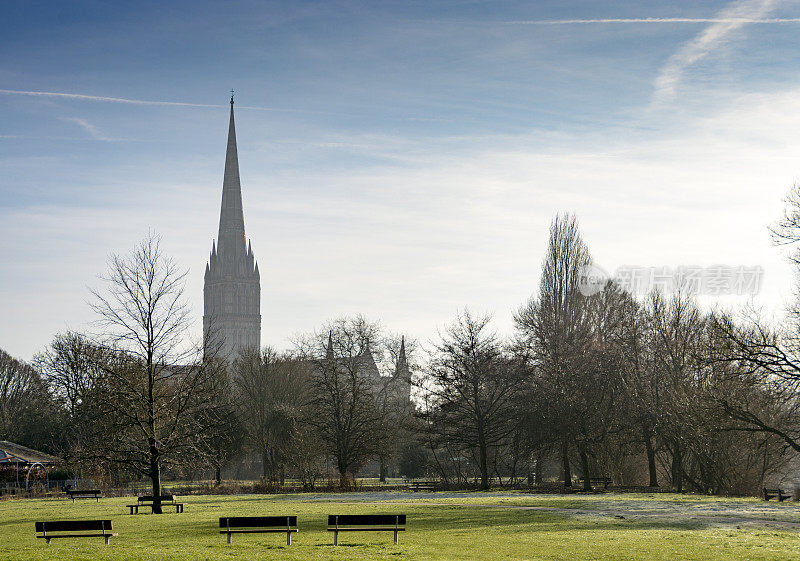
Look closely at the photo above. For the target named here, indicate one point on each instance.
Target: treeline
(651, 392)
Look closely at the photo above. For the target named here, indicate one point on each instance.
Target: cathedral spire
(401, 367)
(329, 350)
(231, 216)
(232, 287)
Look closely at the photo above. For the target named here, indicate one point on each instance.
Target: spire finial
(231, 96)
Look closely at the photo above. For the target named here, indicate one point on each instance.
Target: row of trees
(326, 400)
(138, 399)
(653, 391)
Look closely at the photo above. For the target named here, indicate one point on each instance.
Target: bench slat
(78, 536)
(149, 505)
(259, 530)
(370, 529)
(73, 525)
(366, 519)
(257, 521)
(151, 498)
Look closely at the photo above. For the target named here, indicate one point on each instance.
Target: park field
(493, 525)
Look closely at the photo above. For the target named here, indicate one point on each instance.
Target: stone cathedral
(232, 288)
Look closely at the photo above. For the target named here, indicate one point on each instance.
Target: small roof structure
(16, 454)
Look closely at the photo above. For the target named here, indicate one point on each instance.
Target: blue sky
(398, 159)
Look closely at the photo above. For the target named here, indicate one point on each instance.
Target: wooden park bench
(779, 494)
(422, 485)
(258, 525)
(365, 523)
(73, 529)
(85, 494)
(148, 502)
(604, 481)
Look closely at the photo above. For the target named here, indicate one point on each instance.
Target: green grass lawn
(444, 530)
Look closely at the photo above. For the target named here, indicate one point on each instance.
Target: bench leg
(229, 537)
(335, 538)
(288, 538)
(107, 538)
(47, 540)
(395, 537)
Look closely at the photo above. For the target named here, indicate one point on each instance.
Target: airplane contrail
(652, 20)
(733, 17)
(84, 97)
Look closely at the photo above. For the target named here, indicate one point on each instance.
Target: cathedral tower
(232, 289)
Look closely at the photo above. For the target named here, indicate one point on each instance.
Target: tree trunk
(537, 474)
(218, 476)
(439, 467)
(565, 463)
(484, 466)
(155, 453)
(587, 482)
(264, 464)
(677, 469)
(155, 476)
(382, 470)
(651, 458)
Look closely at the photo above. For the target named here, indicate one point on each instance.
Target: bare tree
(344, 409)
(70, 367)
(556, 332)
(770, 356)
(155, 384)
(223, 438)
(24, 400)
(767, 359)
(271, 392)
(473, 386)
(677, 330)
(393, 393)
(786, 231)
(639, 380)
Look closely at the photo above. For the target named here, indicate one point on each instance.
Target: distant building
(18, 455)
(232, 288)
(393, 389)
